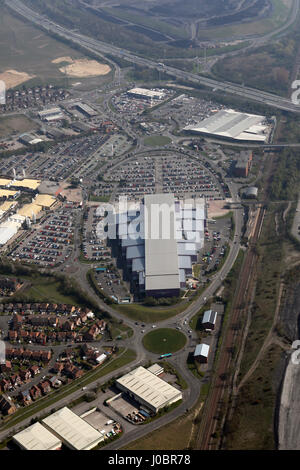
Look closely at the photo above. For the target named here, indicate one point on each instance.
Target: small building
(7, 406)
(251, 192)
(243, 164)
(156, 369)
(209, 320)
(37, 437)
(29, 139)
(201, 353)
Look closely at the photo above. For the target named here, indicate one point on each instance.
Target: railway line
(230, 340)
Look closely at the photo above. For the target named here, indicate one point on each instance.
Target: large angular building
(148, 389)
(160, 242)
(234, 126)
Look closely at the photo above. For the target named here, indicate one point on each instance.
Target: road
(100, 47)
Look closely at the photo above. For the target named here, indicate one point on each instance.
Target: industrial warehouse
(146, 94)
(232, 125)
(72, 430)
(37, 437)
(149, 390)
(160, 262)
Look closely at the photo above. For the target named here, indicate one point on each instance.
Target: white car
(153, 326)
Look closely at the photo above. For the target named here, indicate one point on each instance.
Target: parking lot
(164, 173)
(51, 242)
(215, 248)
(115, 146)
(93, 248)
(187, 110)
(127, 408)
(111, 282)
(103, 423)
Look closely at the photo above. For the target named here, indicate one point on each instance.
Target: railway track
(231, 339)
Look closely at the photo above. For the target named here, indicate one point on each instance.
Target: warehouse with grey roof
(161, 248)
(148, 389)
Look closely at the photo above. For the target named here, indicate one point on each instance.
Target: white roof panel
(37, 437)
(72, 429)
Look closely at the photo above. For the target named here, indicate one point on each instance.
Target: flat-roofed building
(85, 109)
(160, 240)
(4, 182)
(161, 259)
(53, 114)
(45, 201)
(8, 230)
(30, 210)
(148, 389)
(7, 205)
(8, 193)
(232, 125)
(72, 430)
(26, 184)
(37, 437)
(146, 94)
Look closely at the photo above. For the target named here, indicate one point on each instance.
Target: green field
(25, 48)
(157, 141)
(279, 16)
(17, 124)
(150, 314)
(164, 340)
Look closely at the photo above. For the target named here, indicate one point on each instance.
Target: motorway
(100, 47)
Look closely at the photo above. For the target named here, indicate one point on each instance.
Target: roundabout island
(164, 340)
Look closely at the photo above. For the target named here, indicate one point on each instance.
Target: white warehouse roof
(234, 125)
(76, 433)
(149, 388)
(37, 437)
(7, 231)
(147, 93)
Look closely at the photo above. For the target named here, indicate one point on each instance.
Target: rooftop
(149, 387)
(161, 259)
(232, 124)
(37, 437)
(73, 430)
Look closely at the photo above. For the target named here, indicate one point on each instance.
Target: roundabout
(164, 340)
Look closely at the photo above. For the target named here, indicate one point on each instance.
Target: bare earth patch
(63, 59)
(13, 78)
(83, 67)
(216, 209)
